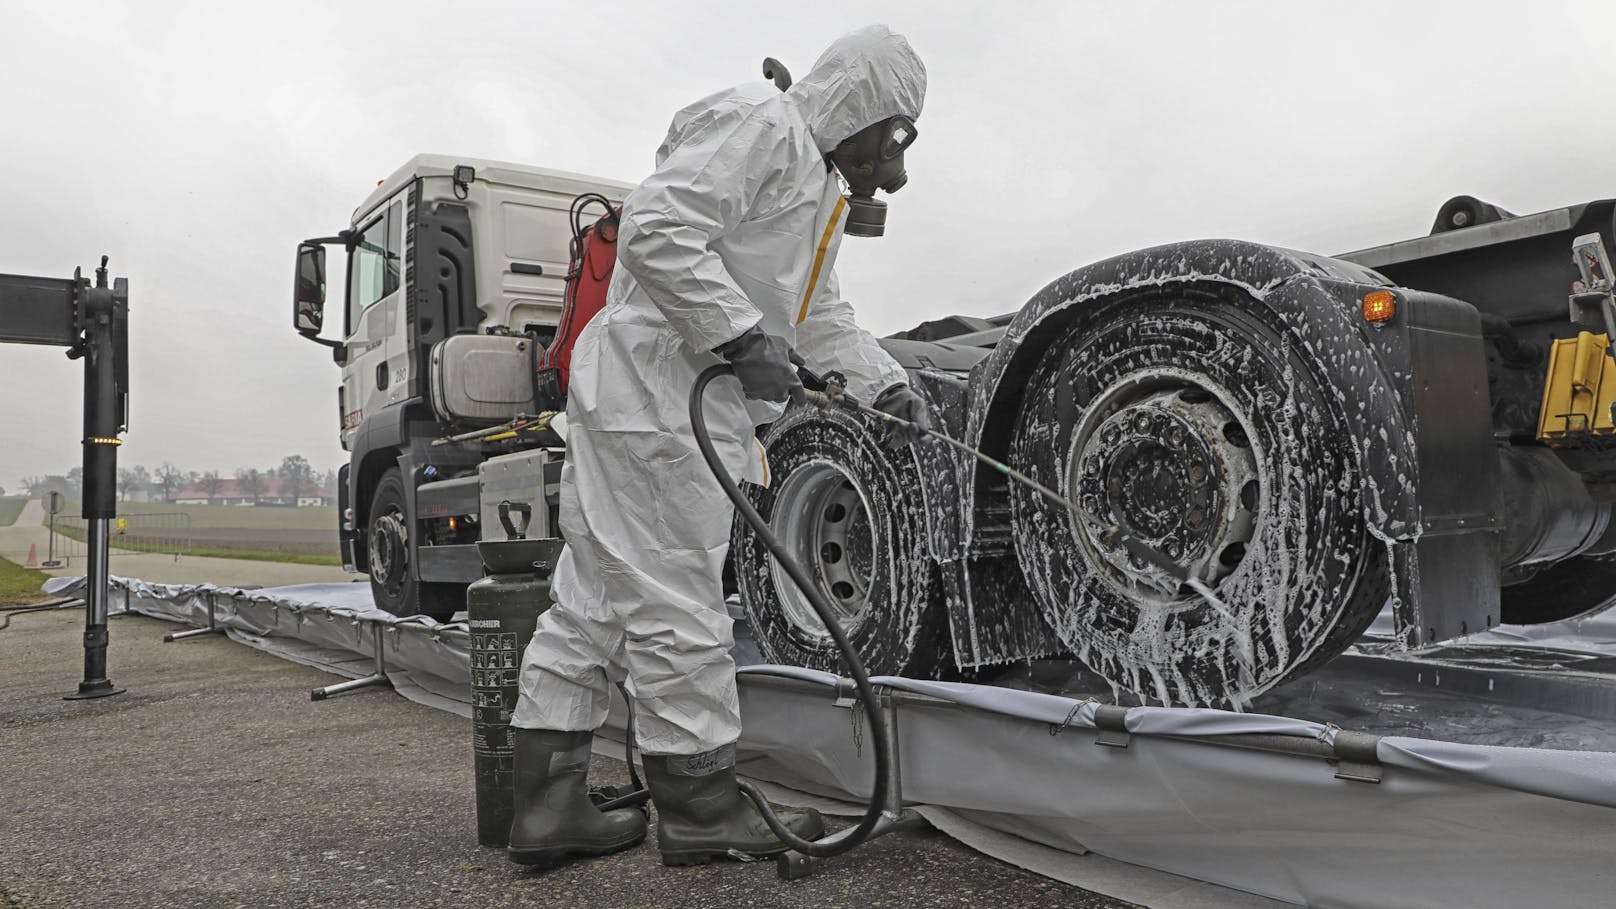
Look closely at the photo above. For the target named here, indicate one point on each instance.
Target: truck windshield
(373, 272)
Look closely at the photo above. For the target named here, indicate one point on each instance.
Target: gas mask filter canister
(872, 159)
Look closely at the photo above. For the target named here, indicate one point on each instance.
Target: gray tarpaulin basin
(1481, 774)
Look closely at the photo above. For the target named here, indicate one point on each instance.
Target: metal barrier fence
(168, 533)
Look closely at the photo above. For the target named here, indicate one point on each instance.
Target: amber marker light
(1379, 306)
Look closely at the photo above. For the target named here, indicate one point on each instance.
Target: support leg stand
(792, 865)
(378, 677)
(213, 627)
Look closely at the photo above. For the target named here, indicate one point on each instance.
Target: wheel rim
(389, 550)
(1169, 456)
(823, 520)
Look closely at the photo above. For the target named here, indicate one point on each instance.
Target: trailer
(1423, 424)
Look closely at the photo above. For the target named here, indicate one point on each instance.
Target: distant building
(272, 491)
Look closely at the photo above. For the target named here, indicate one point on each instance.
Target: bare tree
(75, 483)
(298, 476)
(169, 479)
(211, 483)
(33, 484)
(132, 480)
(251, 482)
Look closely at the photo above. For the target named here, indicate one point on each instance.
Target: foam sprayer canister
(502, 610)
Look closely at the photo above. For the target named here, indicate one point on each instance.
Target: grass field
(306, 536)
(240, 517)
(19, 585)
(10, 507)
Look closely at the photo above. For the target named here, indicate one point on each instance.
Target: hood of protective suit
(864, 77)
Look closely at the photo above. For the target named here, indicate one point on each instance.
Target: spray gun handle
(822, 391)
(833, 382)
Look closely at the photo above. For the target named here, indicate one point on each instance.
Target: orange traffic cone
(33, 556)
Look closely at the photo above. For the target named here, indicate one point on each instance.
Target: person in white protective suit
(724, 253)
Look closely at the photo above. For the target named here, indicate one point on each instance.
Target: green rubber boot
(554, 817)
(702, 815)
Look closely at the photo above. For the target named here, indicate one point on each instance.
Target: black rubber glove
(902, 402)
(763, 364)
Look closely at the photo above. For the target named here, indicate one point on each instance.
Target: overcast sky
(196, 143)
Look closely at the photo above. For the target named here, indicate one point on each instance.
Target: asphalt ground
(215, 782)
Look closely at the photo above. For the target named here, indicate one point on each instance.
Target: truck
(1292, 442)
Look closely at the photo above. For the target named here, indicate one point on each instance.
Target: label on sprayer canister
(496, 661)
(496, 664)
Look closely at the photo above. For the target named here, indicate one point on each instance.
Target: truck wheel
(1193, 416)
(387, 538)
(853, 514)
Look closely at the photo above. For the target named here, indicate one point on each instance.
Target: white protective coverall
(739, 225)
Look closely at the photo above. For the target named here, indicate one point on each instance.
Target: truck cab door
(377, 372)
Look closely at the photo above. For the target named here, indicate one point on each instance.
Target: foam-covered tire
(854, 514)
(1297, 571)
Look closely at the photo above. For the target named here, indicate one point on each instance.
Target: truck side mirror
(308, 304)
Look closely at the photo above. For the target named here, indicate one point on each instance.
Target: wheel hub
(1175, 467)
(389, 549)
(824, 523)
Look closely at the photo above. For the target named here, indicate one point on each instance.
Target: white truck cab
(454, 282)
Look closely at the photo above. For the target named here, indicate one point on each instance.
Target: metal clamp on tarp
(846, 693)
(1112, 723)
(1357, 756)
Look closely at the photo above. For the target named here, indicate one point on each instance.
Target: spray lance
(830, 391)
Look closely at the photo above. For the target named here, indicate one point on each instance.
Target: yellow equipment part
(1578, 391)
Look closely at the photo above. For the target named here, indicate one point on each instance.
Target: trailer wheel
(1191, 416)
(853, 514)
(387, 539)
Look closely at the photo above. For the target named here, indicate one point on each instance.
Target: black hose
(628, 742)
(880, 734)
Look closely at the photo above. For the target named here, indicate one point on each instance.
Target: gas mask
(872, 159)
